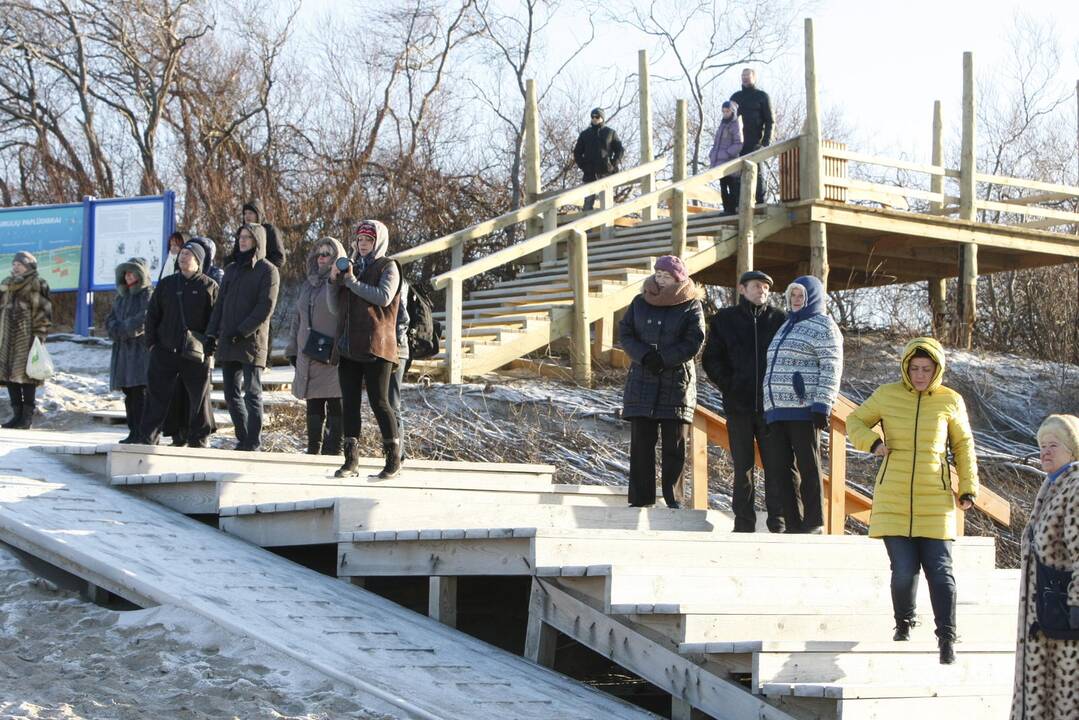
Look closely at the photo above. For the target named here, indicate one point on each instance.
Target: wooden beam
(936, 182)
(837, 473)
(680, 142)
(818, 252)
(698, 462)
(810, 152)
(968, 294)
(645, 112)
(581, 349)
(532, 154)
(442, 599)
(679, 223)
(746, 220)
(541, 639)
(453, 332)
(937, 306)
(603, 335)
(967, 167)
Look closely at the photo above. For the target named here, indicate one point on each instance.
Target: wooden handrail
(888, 162)
(841, 500)
(593, 220)
(528, 212)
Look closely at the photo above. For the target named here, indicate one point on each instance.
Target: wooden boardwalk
(152, 555)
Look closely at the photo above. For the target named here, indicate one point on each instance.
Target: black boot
(392, 450)
(315, 424)
(947, 650)
(902, 630)
(352, 459)
(16, 417)
(27, 417)
(331, 442)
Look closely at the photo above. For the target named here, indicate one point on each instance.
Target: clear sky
(882, 63)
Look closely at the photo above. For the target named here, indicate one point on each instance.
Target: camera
(343, 264)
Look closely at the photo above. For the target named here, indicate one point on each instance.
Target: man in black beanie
(735, 355)
(597, 152)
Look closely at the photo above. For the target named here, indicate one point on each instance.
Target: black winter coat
(130, 358)
(598, 150)
(755, 109)
(677, 333)
(241, 319)
(736, 353)
(164, 322)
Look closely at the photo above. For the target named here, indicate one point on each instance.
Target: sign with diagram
(51, 233)
(124, 229)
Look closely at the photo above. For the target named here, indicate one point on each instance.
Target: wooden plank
(581, 342)
(309, 527)
(884, 690)
(428, 557)
(746, 217)
(541, 639)
(667, 670)
(442, 600)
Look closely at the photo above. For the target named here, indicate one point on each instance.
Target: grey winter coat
(245, 304)
(677, 333)
(314, 379)
(125, 325)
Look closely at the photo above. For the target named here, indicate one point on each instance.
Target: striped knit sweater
(805, 362)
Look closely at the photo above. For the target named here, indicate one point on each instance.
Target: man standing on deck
(597, 152)
(755, 108)
(734, 358)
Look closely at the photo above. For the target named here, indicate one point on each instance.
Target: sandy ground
(64, 658)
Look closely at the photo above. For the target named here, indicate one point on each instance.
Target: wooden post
(442, 600)
(679, 222)
(680, 709)
(606, 200)
(937, 306)
(818, 252)
(603, 333)
(968, 208)
(960, 521)
(680, 141)
(534, 225)
(648, 184)
(581, 349)
(457, 255)
(810, 151)
(746, 208)
(837, 475)
(540, 638)
(698, 459)
(454, 349)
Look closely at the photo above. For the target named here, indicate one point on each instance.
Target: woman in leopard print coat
(1047, 670)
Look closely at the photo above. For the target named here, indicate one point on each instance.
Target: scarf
(244, 257)
(669, 296)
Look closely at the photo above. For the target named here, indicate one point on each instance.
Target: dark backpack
(423, 330)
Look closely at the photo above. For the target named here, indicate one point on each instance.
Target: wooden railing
(840, 499)
(676, 196)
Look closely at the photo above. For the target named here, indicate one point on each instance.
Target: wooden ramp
(404, 663)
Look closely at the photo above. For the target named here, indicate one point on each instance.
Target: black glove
(820, 421)
(292, 360)
(652, 362)
(210, 346)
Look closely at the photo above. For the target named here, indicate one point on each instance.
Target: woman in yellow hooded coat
(913, 501)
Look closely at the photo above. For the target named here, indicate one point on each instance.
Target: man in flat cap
(735, 355)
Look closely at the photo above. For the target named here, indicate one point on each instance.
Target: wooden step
(889, 701)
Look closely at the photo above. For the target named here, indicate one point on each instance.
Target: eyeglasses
(325, 254)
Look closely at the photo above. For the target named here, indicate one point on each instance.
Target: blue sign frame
(167, 227)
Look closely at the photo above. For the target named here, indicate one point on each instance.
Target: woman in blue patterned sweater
(801, 383)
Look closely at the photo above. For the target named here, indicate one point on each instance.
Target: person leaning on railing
(662, 332)
(1047, 652)
(913, 503)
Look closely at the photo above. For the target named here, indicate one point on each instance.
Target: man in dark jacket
(275, 249)
(734, 358)
(183, 301)
(240, 327)
(755, 109)
(597, 152)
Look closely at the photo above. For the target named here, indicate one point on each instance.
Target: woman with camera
(366, 296)
(310, 351)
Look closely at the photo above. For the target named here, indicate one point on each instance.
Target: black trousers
(167, 370)
(798, 442)
(246, 412)
(934, 557)
(644, 433)
(780, 501)
(21, 394)
(324, 407)
(590, 200)
(729, 189)
(762, 168)
(375, 374)
(134, 402)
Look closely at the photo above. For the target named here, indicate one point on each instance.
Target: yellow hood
(935, 350)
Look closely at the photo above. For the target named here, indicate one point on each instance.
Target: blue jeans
(246, 414)
(934, 557)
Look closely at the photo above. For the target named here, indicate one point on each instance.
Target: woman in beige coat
(1047, 669)
(315, 381)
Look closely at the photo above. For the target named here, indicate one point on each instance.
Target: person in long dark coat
(662, 332)
(240, 328)
(25, 314)
(125, 325)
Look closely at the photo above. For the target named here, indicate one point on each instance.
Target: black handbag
(1051, 601)
(193, 345)
(319, 346)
